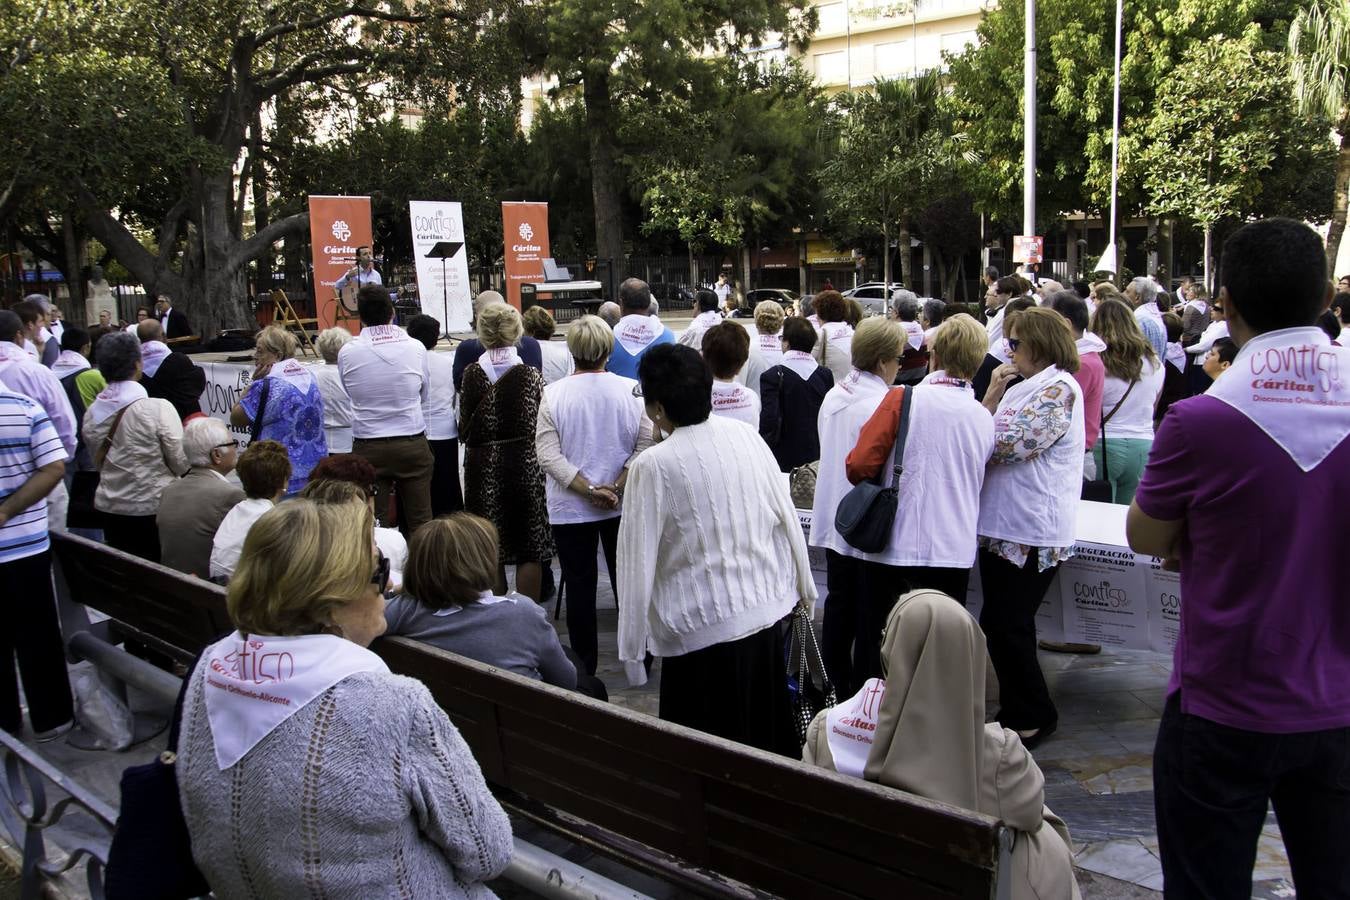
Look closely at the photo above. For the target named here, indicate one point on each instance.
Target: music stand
(444, 250)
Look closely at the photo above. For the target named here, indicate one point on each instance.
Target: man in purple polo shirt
(1243, 486)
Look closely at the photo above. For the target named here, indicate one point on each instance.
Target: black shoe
(1031, 743)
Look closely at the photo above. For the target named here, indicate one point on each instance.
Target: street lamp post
(1029, 124)
(1108, 261)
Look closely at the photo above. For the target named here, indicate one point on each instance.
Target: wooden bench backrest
(165, 609)
(713, 816)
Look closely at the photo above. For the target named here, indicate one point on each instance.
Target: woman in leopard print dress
(503, 482)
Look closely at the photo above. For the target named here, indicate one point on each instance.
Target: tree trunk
(1342, 199)
(906, 256)
(605, 185)
(261, 212)
(73, 249)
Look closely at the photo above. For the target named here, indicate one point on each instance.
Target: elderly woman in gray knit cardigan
(305, 767)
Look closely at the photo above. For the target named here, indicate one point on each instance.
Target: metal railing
(26, 813)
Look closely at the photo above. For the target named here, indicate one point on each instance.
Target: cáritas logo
(341, 230)
(526, 232)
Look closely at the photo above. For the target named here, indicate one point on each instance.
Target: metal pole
(1115, 127)
(1029, 124)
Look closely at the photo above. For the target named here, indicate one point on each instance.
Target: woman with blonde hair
(1029, 506)
(932, 542)
(284, 404)
(1134, 380)
(766, 346)
(920, 728)
(503, 483)
(590, 428)
(852, 629)
(304, 765)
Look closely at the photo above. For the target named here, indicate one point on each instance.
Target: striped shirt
(28, 441)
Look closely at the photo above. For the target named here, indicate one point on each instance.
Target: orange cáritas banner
(525, 239)
(337, 226)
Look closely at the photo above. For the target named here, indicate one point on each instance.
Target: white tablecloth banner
(1106, 594)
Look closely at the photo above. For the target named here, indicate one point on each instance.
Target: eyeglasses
(223, 446)
(380, 577)
(1013, 344)
(637, 389)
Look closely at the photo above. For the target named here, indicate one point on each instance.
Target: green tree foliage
(894, 157)
(731, 160)
(1319, 46)
(1222, 121)
(184, 91)
(1076, 43)
(641, 50)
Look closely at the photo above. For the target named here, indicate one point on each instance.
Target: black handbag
(151, 853)
(1100, 488)
(81, 512)
(804, 658)
(867, 512)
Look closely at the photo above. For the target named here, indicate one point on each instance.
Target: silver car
(871, 295)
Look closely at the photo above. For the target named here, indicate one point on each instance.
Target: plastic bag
(100, 711)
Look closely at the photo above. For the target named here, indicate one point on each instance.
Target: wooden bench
(714, 817)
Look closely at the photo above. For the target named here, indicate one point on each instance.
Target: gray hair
(42, 302)
(610, 312)
(200, 437)
(589, 340)
(486, 298)
(934, 311)
(1145, 289)
(330, 343)
(906, 305)
(118, 355)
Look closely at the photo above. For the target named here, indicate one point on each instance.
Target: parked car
(871, 295)
(782, 296)
(672, 296)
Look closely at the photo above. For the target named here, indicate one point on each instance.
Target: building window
(831, 18)
(896, 58)
(832, 68)
(957, 42)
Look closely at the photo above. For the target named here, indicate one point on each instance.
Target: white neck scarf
(636, 332)
(771, 345)
(11, 352)
(915, 332)
(850, 727)
(1175, 355)
(252, 686)
(69, 361)
(485, 598)
(495, 363)
(941, 379)
(293, 373)
(837, 331)
(1198, 305)
(153, 354)
(113, 398)
(707, 319)
(1295, 386)
(800, 362)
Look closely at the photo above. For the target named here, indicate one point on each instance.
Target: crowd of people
(684, 461)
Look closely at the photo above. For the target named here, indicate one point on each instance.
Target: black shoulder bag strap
(256, 428)
(1101, 435)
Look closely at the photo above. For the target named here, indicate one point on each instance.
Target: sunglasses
(380, 578)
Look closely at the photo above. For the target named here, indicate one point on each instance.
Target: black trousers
(1012, 596)
(137, 535)
(32, 633)
(737, 690)
(842, 646)
(446, 496)
(892, 581)
(576, 556)
(1211, 787)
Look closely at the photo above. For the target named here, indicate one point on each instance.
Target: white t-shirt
(337, 409)
(229, 540)
(558, 363)
(735, 401)
(440, 409)
(386, 375)
(1134, 419)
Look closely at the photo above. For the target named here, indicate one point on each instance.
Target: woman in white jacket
(1029, 507)
(834, 350)
(925, 734)
(711, 560)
